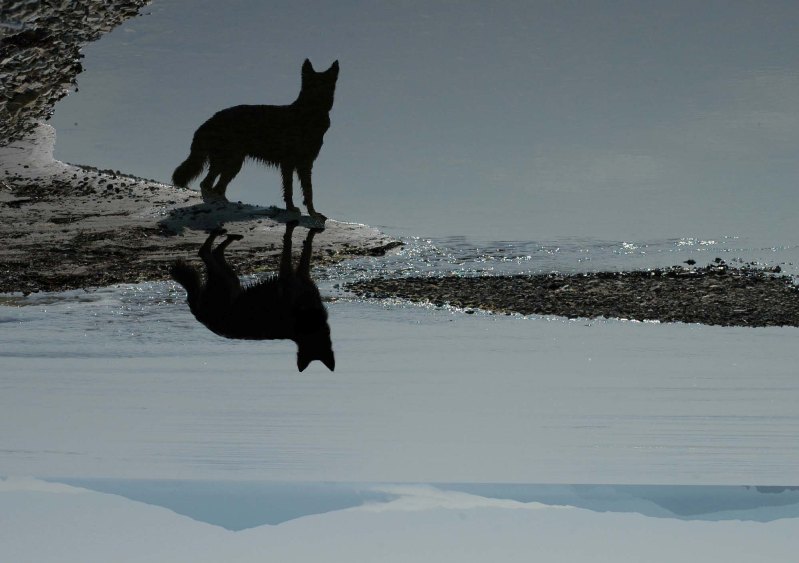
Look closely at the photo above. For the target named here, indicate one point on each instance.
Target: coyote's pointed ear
(304, 360)
(329, 360)
(307, 67)
(334, 68)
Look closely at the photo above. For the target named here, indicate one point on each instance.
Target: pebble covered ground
(716, 294)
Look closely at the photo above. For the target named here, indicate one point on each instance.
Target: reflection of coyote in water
(284, 306)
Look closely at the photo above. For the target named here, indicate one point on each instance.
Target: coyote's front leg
(304, 173)
(287, 171)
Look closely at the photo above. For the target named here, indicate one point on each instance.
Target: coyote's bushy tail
(187, 276)
(190, 168)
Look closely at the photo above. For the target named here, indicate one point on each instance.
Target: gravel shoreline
(714, 295)
(68, 227)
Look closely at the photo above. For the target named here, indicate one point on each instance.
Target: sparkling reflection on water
(464, 256)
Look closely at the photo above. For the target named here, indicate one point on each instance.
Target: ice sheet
(422, 524)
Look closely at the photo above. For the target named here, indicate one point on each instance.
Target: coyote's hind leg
(230, 168)
(207, 246)
(222, 280)
(219, 251)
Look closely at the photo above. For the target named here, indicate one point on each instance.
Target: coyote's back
(288, 137)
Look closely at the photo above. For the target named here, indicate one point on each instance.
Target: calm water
(123, 382)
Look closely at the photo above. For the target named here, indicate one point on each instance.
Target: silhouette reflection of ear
(284, 305)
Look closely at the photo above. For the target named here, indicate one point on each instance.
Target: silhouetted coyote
(284, 306)
(288, 137)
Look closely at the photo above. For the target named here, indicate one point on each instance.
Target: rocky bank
(715, 294)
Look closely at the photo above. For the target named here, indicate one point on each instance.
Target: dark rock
(716, 294)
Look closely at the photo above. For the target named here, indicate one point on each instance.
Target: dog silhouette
(288, 137)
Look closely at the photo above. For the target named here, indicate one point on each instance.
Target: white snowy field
(43, 522)
(124, 383)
